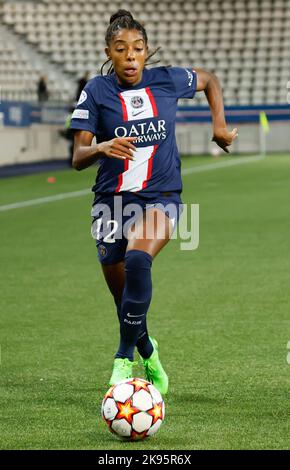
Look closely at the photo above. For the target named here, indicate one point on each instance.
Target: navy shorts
(113, 215)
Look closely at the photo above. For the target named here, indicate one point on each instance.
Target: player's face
(128, 52)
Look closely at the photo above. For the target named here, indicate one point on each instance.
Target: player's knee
(138, 275)
(136, 260)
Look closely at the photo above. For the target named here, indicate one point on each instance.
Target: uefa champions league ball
(133, 409)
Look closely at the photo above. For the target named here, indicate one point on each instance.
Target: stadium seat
(239, 43)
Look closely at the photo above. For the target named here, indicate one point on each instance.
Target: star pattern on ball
(126, 411)
(109, 393)
(136, 436)
(156, 413)
(140, 384)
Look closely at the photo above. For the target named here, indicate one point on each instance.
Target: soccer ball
(133, 409)
(215, 151)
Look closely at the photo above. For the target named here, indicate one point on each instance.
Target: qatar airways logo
(144, 131)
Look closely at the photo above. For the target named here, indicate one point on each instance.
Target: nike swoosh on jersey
(134, 316)
(139, 112)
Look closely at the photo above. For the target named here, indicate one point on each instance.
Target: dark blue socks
(135, 304)
(143, 344)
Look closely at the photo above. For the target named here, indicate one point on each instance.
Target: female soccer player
(132, 112)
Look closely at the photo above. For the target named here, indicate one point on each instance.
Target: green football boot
(154, 371)
(122, 370)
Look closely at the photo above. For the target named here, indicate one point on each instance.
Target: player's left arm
(209, 83)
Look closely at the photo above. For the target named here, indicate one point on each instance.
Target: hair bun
(120, 14)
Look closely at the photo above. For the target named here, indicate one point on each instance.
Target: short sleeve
(184, 81)
(85, 115)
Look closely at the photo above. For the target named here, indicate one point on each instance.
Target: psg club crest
(137, 102)
(102, 250)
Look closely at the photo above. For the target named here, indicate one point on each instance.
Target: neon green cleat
(154, 371)
(122, 370)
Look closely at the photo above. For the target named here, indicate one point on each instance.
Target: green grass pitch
(220, 314)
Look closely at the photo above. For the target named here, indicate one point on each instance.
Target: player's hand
(223, 138)
(120, 148)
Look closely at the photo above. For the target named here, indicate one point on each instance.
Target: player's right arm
(85, 154)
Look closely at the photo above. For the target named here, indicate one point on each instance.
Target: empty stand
(246, 43)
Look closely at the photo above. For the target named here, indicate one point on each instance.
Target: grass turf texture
(220, 314)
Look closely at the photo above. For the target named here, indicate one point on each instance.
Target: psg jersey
(147, 112)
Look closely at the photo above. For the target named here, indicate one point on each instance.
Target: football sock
(135, 302)
(143, 344)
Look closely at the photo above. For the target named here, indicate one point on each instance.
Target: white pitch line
(44, 200)
(85, 192)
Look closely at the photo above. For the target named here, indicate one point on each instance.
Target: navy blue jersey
(147, 112)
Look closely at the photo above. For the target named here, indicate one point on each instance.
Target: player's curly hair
(123, 19)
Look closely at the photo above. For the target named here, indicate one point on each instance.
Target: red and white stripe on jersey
(138, 104)
(137, 173)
